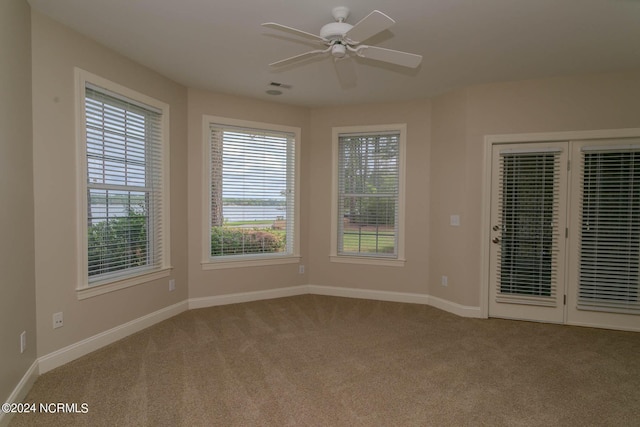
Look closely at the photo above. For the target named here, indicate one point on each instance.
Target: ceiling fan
(342, 39)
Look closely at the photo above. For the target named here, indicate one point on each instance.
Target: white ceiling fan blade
(295, 31)
(369, 26)
(388, 55)
(346, 71)
(297, 58)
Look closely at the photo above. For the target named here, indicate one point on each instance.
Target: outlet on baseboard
(23, 341)
(172, 285)
(57, 320)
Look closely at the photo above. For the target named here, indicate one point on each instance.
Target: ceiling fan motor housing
(334, 30)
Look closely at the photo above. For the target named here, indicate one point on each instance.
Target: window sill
(100, 289)
(255, 262)
(385, 262)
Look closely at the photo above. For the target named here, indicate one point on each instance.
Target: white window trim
(214, 263)
(83, 290)
(400, 260)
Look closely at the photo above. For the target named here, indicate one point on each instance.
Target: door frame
(489, 142)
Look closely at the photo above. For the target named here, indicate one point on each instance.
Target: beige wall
(17, 299)
(56, 51)
(462, 119)
(236, 280)
(412, 278)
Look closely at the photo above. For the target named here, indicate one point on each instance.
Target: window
(123, 162)
(251, 192)
(368, 165)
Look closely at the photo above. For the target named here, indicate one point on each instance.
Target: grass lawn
(366, 241)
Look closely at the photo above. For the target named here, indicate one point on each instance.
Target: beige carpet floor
(326, 361)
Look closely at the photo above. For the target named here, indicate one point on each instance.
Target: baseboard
(247, 296)
(86, 346)
(336, 291)
(20, 391)
(411, 298)
(605, 326)
(455, 308)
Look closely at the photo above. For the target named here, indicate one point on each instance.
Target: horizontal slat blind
(124, 186)
(368, 181)
(252, 191)
(610, 230)
(527, 214)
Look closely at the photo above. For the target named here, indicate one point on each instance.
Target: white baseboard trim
(20, 391)
(411, 298)
(86, 346)
(455, 308)
(336, 291)
(605, 326)
(247, 296)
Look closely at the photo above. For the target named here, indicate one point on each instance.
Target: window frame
(334, 256)
(249, 260)
(137, 275)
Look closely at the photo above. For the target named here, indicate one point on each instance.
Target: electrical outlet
(172, 285)
(301, 269)
(444, 281)
(57, 320)
(23, 341)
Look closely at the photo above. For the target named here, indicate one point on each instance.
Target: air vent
(280, 85)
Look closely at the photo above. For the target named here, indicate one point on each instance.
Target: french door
(604, 261)
(528, 222)
(565, 232)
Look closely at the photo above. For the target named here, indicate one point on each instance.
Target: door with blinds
(604, 261)
(528, 226)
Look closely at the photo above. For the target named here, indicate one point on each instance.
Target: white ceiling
(220, 45)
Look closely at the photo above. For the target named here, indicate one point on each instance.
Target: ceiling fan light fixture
(338, 50)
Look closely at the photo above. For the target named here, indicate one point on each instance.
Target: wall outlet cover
(57, 320)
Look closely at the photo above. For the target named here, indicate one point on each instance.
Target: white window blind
(610, 230)
(368, 194)
(527, 212)
(124, 186)
(252, 186)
